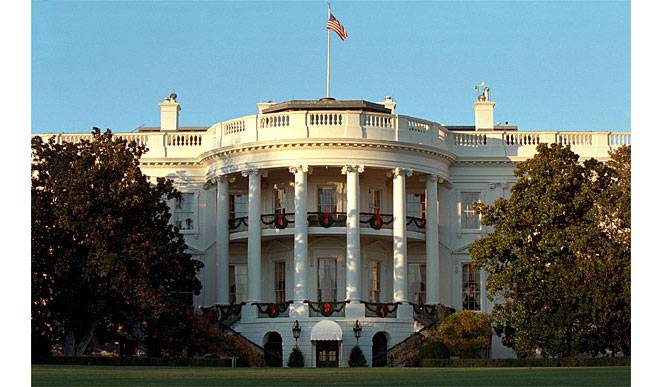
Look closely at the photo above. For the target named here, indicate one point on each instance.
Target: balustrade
(470, 139)
(574, 138)
(278, 220)
(327, 219)
(619, 139)
(235, 126)
(378, 120)
(381, 309)
(415, 224)
(276, 120)
(326, 308)
(184, 139)
(273, 309)
(521, 138)
(326, 119)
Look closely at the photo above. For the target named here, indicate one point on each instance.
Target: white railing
(378, 120)
(235, 126)
(140, 139)
(184, 139)
(417, 126)
(618, 139)
(274, 121)
(470, 139)
(326, 119)
(521, 138)
(574, 138)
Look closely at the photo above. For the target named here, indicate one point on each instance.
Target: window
(326, 199)
(470, 287)
(280, 200)
(416, 205)
(184, 212)
(469, 217)
(374, 281)
(374, 200)
(416, 279)
(238, 283)
(326, 279)
(238, 205)
(279, 286)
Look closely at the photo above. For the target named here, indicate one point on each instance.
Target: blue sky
(550, 65)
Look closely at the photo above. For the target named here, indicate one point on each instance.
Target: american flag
(334, 24)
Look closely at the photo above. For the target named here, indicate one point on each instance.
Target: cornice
(219, 153)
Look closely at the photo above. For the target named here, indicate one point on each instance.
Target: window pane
(416, 285)
(327, 199)
(470, 287)
(238, 283)
(280, 200)
(238, 205)
(183, 212)
(374, 200)
(279, 274)
(416, 205)
(326, 279)
(374, 281)
(469, 217)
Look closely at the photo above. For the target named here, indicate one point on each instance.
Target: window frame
(460, 212)
(318, 288)
(422, 205)
(477, 288)
(194, 213)
(421, 294)
(232, 269)
(335, 195)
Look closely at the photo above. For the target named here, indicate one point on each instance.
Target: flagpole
(328, 51)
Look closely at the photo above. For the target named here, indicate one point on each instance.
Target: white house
(327, 213)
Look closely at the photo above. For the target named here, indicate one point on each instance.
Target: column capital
(352, 168)
(218, 179)
(399, 172)
(249, 171)
(294, 169)
(434, 179)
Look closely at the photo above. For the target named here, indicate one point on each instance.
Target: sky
(549, 65)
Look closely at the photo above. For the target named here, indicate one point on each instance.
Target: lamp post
(296, 331)
(357, 330)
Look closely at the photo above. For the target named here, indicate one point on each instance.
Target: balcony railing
(327, 219)
(238, 224)
(228, 314)
(415, 224)
(376, 221)
(278, 220)
(431, 314)
(273, 309)
(381, 309)
(326, 308)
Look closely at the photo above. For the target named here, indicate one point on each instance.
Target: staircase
(428, 317)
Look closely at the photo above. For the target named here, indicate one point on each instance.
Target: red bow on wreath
(326, 216)
(382, 310)
(326, 308)
(279, 218)
(378, 219)
(272, 310)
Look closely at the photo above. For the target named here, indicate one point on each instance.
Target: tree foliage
(559, 256)
(356, 358)
(296, 359)
(466, 334)
(104, 256)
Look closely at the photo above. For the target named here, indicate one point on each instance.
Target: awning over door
(326, 330)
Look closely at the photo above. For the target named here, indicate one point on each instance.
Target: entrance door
(327, 354)
(379, 345)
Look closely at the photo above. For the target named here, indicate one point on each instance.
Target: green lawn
(44, 375)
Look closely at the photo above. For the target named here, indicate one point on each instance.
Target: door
(379, 347)
(327, 354)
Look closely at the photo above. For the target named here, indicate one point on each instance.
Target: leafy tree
(104, 256)
(296, 359)
(356, 358)
(466, 333)
(433, 349)
(559, 256)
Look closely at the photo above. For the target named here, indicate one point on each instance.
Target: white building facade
(326, 213)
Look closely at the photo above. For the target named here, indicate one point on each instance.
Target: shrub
(435, 349)
(296, 358)
(467, 334)
(356, 358)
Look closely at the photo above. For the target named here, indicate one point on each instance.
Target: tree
(558, 259)
(296, 359)
(466, 333)
(356, 358)
(104, 255)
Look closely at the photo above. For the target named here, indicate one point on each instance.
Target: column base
(298, 310)
(355, 309)
(405, 312)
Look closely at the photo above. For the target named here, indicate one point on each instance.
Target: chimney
(484, 110)
(389, 103)
(170, 113)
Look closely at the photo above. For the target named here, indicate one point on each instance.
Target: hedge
(133, 361)
(562, 362)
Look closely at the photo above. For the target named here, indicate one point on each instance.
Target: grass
(48, 375)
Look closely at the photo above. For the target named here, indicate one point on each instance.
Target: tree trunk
(73, 348)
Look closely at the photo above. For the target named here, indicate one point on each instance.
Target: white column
(222, 240)
(353, 256)
(399, 235)
(300, 231)
(254, 235)
(431, 241)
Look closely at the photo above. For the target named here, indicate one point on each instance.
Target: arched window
(379, 348)
(273, 349)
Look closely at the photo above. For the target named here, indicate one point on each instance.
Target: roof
(327, 104)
